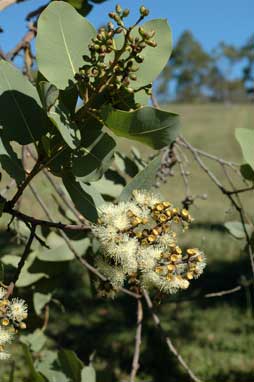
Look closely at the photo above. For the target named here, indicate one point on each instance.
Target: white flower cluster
(12, 314)
(139, 245)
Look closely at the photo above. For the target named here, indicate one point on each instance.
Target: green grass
(216, 336)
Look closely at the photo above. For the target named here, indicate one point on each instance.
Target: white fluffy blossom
(4, 356)
(139, 245)
(6, 336)
(2, 293)
(17, 310)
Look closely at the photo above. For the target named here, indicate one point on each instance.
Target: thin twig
(239, 209)
(136, 356)
(22, 260)
(44, 223)
(24, 42)
(167, 339)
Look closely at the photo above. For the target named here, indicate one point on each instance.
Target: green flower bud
(126, 12)
(141, 31)
(112, 15)
(110, 26)
(143, 11)
(139, 59)
(133, 77)
(86, 58)
(118, 9)
(130, 90)
(151, 43)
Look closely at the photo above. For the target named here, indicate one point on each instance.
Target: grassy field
(216, 335)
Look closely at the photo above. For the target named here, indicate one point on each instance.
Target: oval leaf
(145, 179)
(155, 128)
(62, 40)
(25, 122)
(236, 229)
(246, 139)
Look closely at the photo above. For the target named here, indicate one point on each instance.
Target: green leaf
(155, 128)
(62, 39)
(85, 198)
(35, 341)
(245, 138)
(48, 94)
(48, 366)
(247, 172)
(10, 162)
(21, 115)
(158, 56)
(61, 252)
(68, 129)
(88, 374)
(155, 59)
(90, 163)
(40, 300)
(36, 377)
(26, 277)
(145, 179)
(236, 229)
(70, 364)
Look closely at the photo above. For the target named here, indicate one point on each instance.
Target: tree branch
(167, 339)
(136, 356)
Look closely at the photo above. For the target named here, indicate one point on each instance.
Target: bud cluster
(12, 315)
(139, 246)
(110, 67)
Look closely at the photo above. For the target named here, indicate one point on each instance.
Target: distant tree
(247, 53)
(189, 67)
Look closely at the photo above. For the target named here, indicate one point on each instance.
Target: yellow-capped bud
(155, 231)
(151, 238)
(138, 235)
(162, 218)
(184, 213)
(200, 258)
(178, 250)
(166, 204)
(22, 325)
(168, 213)
(159, 207)
(158, 269)
(189, 275)
(171, 267)
(174, 258)
(144, 221)
(191, 251)
(176, 219)
(170, 277)
(5, 322)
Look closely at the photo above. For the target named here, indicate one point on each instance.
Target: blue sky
(210, 21)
